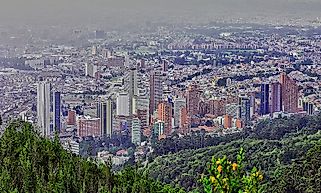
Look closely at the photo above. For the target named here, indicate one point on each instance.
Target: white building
(43, 108)
(123, 104)
(136, 135)
(179, 103)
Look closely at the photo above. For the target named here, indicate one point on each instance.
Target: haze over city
(110, 12)
(160, 96)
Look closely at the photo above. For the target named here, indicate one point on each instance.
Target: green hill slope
(282, 159)
(29, 163)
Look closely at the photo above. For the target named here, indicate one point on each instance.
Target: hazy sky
(122, 11)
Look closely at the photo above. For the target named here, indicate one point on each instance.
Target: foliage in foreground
(227, 177)
(30, 163)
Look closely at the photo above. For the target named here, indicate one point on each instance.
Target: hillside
(278, 149)
(29, 163)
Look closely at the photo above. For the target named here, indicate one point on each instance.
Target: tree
(225, 176)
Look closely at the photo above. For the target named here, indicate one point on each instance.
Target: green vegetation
(29, 163)
(285, 150)
(225, 176)
(283, 156)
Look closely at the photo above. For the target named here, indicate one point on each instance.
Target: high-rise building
(165, 115)
(244, 109)
(179, 103)
(270, 98)
(131, 87)
(57, 112)
(290, 94)
(105, 113)
(264, 97)
(275, 98)
(136, 131)
(89, 127)
(123, 104)
(43, 108)
(156, 91)
(193, 100)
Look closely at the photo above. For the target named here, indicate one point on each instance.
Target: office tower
(165, 115)
(105, 113)
(136, 131)
(290, 94)
(179, 103)
(275, 98)
(43, 108)
(89, 127)
(193, 100)
(71, 117)
(227, 121)
(131, 87)
(156, 91)
(270, 98)
(90, 70)
(57, 112)
(232, 109)
(123, 104)
(264, 97)
(244, 109)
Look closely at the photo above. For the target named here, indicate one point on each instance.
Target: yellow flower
(234, 165)
(260, 177)
(219, 168)
(218, 162)
(212, 178)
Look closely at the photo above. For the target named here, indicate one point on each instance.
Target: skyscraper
(131, 87)
(123, 104)
(275, 98)
(156, 91)
(57, 112)
(244, 109)
(43, 108)
(165, 115)
(179, 103)
(264, 97)
(105, 113)
(290, 94)
(193, 100)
